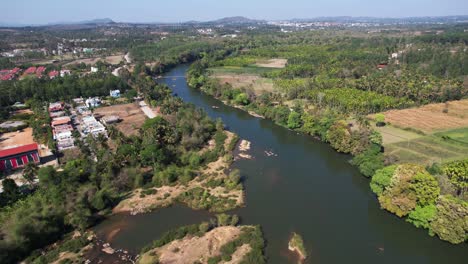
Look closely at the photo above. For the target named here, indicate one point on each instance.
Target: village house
(91, 126)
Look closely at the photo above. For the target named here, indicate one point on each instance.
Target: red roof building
(64, 120)
(382, 66)
(18, 157)
(15, 70)
(53, 74)
(30, 70)
(40, 70)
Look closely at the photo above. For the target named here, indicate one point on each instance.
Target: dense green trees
(409, 190)
(457, 172)
(382, 179)
(451, 219)
(59, 89)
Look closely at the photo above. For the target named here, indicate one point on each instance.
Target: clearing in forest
(114, 60)
(132, 118)
(272, 63)
(254, 83)
(431, 118)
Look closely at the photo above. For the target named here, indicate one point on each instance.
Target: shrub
(422, 216)
(450, 222)
(381, 179)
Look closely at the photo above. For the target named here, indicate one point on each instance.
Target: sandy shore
(192, 249)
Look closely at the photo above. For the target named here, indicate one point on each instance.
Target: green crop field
(427, 150)
(457, 135)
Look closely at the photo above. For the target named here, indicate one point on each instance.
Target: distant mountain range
(240, 20)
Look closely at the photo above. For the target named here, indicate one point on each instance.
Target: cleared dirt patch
(18, 138)
(116, 59)
(255, 83)
(193, 249)
(272, 63)
(132, 118)
(431, 118)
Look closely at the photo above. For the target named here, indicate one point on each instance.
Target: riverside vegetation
(331, 84)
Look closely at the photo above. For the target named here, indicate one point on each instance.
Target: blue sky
(46, 11)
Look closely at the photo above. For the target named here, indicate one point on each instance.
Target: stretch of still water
(306, 188)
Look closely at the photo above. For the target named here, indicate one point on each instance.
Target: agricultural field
(431, 118)
(132, 118)
(249, 75)
(257, 84)
(428, 134)
(426, 150)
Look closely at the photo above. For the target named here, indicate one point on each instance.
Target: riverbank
(219, 241)
(220, 193)
(358, 138)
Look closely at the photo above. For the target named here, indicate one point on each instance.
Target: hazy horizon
(54, 11)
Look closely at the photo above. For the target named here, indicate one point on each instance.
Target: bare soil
(116, 59)
(431, 118)
(273, 63)
(17, 138)
(132, 118)
(239, 254)
(192, 249)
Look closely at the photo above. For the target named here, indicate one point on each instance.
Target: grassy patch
(427, 150)
(459, 135)
(297, 243)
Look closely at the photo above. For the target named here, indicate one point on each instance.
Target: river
(307, 188)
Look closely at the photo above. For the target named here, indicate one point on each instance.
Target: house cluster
(38, 71)
(22, 52)
(61, 126)
(88, 123)
(7, 75)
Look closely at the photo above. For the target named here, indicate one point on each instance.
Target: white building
(91, 126)
(63, 73)
(94, 69)
(115, 93)
(93, 102)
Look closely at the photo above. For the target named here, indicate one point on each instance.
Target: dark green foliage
(294, 120)
(369, 161)
(59, 88)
